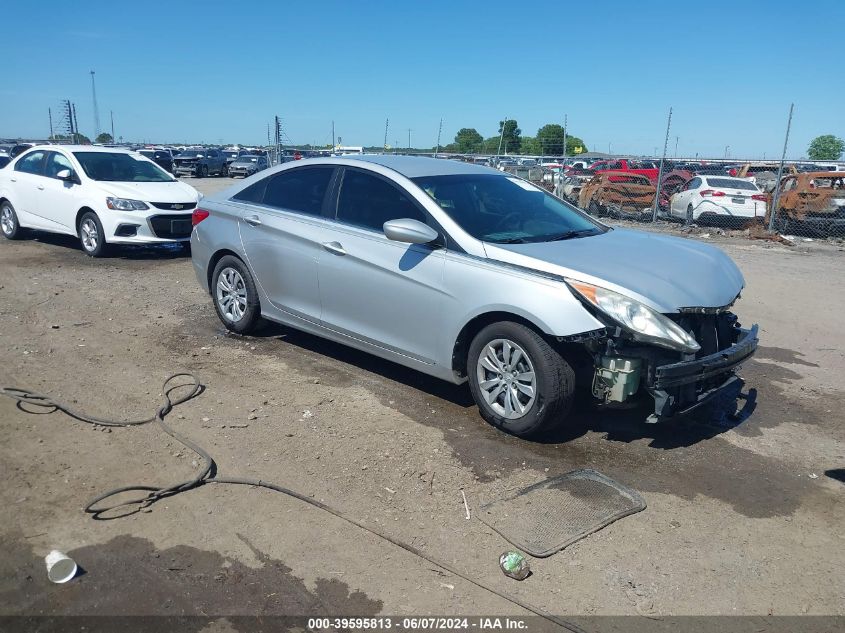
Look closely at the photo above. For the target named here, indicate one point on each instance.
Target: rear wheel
(9, 222)
(224, 170)
(235, 296)
(91, 235)
(520, 383)
(593, 208)
(690, 218)
(204, 171)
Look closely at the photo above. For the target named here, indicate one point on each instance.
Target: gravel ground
(743, 520)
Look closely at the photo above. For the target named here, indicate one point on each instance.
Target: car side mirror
(66, 175)
(409, 231)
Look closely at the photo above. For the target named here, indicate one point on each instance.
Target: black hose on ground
(191, 388)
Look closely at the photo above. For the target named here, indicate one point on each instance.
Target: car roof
(84, 148)
(418, 166)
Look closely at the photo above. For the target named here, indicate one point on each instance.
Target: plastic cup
(60, 567)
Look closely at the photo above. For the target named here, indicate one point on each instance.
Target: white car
(722, 197)
(103, 196)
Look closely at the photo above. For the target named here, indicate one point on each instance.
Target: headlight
(642, 322)
(124, 204)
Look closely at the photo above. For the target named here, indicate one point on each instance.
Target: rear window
(732, 183)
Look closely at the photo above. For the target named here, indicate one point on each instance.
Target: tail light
(198, 216)
(710, 193)
(733, 172)
(759, 196)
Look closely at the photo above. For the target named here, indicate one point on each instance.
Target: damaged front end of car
(683, 360)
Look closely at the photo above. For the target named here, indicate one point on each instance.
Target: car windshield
(192, 153)
(247, 159)
(117, 167)
(505, 210)
(732, 183)
(231, 154)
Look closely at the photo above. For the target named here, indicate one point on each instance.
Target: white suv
(103, 196)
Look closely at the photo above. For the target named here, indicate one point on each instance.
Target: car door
(282, 230)
(373, 289)
(681, 199)
(27, 181)
(59, 197)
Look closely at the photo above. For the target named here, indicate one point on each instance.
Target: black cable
(194, 388)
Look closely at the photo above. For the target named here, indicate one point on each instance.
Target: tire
(203, 171)
(9, 222)
(224, 170)
(553, 383)
(92, 238)
(231, 280)
(690, 218)
(593, 208)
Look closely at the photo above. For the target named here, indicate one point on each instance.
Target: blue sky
(218, 71)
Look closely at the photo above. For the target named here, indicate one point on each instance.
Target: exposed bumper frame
(677, 387)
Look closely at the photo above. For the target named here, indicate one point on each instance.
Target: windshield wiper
(567, 235)
(512, 240)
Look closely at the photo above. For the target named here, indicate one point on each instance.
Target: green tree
(531, 146)
(512, 137)
(104, 137)
(550, 139)
(573, 143)
(468, 140)
(826, 147)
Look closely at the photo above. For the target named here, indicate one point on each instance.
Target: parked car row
(100, 195)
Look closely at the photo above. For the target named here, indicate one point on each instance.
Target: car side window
(302, 190)
(32, 163)
(55, 163)
(695, 183)
(368, 201)
(789, 184)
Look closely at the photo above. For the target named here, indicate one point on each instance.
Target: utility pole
(50, 114)
(333, 143)
(502, 136)
(75, 124)
(660, 171)
(565, 125)
(409, 139)
(278, 139)
(439, 131)
(676, 147)
(111, 114)
(776, 194)
(96, 109)
(386, 128)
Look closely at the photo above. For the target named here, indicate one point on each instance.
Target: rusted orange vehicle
(812, 202)
(618, 193)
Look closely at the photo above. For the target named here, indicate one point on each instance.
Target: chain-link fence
(717, 193)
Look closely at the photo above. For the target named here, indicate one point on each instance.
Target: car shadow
(122, 251)
(617, 424)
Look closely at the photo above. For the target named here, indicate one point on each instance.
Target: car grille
(174, 206)
(171, 226)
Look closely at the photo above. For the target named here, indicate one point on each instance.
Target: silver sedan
(469, 274)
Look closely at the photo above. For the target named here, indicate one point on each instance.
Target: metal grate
(550, 515)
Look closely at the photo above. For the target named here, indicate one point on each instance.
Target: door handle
(252, 220)
(41, 187)
(334, 247)
(13, 179)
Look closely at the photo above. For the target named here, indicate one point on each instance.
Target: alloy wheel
(7, 220)
(231, 294)
(506, 378)
(89, 234)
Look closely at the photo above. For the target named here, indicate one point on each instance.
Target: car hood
(666, 273)
(151, 191)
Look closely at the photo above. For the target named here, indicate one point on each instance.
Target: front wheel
(235, 296)
(91, 235)
(9, 222)
(520, 383)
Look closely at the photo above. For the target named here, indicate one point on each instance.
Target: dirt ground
(740, 520)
